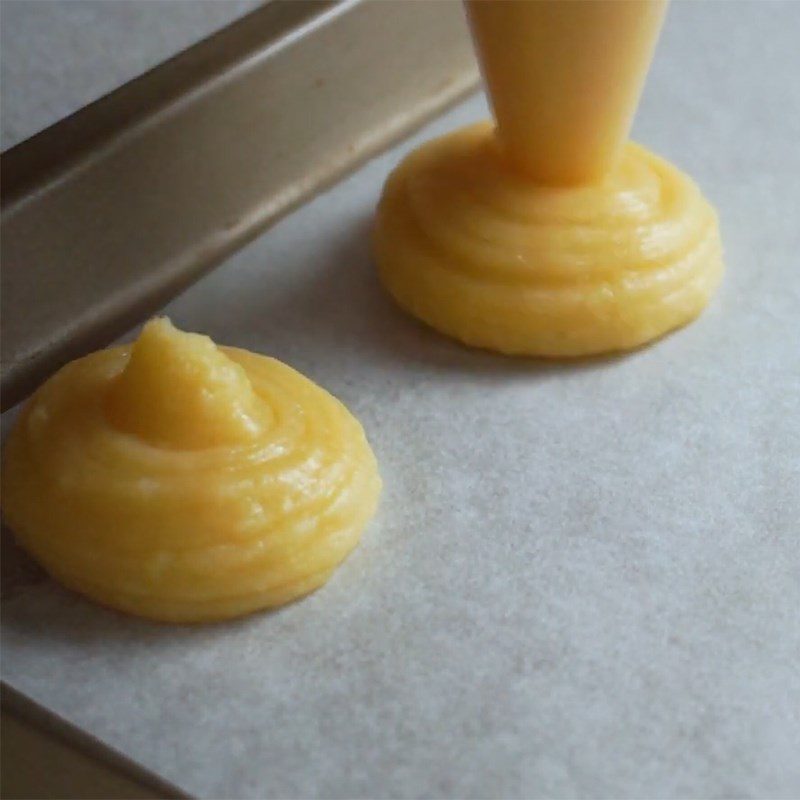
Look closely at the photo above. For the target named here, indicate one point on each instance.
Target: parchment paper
(583, 580)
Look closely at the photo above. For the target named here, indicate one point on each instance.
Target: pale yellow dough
(483, 254)
(181, 481)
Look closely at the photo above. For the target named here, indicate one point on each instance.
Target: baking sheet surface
(584, 580)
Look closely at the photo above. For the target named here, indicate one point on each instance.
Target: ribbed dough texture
(188, 535)
(485, 256)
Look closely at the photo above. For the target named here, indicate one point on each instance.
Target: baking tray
(112, 211)
(583, 579)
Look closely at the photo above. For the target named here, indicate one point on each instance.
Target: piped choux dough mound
(482, 253)
(182, 481)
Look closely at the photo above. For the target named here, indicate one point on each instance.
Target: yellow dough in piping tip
(182, 481)
(551, 235)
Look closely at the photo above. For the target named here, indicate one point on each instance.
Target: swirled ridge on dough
(482, 254)
(256, 517)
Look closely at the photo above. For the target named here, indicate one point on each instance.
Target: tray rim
(59, 234)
